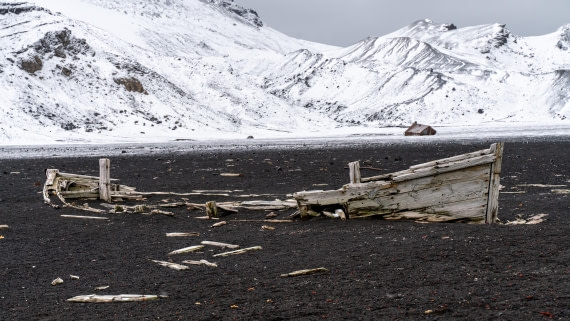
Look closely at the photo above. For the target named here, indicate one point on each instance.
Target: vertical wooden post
(105, 179)
(354, 168)
(212, 209)
(494, 183)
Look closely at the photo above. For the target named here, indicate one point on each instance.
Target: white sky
(345, 22)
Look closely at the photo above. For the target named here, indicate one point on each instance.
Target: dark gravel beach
(377, 269)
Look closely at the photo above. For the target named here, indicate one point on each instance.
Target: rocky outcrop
(17, 8)
(62, 44)
(248, 15)
(564, 41)
(131, 84)
(31, 64)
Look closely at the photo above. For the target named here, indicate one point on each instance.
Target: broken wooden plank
(219, 224)
(240, 251)
(219, 244)
(265, 221)
(182, 234)
(187, 249)
(201, 262)
(174, 266)
(57, 281)
(535, 219)
(491, 216)
(305, 272)
(93, 298)
(86, 217)
(156, 211)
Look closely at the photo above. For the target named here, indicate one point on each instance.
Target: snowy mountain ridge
(160, 70)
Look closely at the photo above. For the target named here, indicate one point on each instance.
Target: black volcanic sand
(378, 269)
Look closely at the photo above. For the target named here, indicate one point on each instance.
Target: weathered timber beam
(93, 298)
(453, 159)
(491, 216)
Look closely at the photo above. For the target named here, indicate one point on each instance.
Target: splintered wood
(305, 272)
(187, 249)
(241, 251)
(459, 188)
(93, 298)
(174, 266)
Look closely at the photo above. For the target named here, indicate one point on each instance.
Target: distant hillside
(106, 71)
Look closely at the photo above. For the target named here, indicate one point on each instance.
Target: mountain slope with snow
(159, 70)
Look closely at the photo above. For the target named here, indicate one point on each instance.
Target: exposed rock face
(131, 84)
(247, 14)
(17, 8)
(62, 43)
(564, 42)
(31, 64)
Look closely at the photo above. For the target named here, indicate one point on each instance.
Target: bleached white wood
(220, 244)
(105, 179)
(240, 251)
(494, 185)
(354, 172)
(93, 298)
(187, 249)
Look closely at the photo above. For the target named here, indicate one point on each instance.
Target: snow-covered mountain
(158, 70)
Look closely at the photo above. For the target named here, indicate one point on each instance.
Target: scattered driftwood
(3, 227)
(201, 262)
(459, 188)
(229, 246)
(241, 251)
(561, 191)
(86, 217)
(267, 227)
(93, 298)
(265, 221)
(231, 174)
(535, 219)
(73, 277)
(101, 288)
(305, 272)
(219, 224)
(540, 185)
(187, 249)
(182, 234)
(174, 266)
(73, 186)
(57, 281)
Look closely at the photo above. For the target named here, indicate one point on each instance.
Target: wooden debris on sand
(174, 266)
(93, 298)
(305, 272)
(182, 234)
(535, 219)
(86, 217)
(57, 281)
(219, 224)
(187, 249)
(219, 244)
(3, 226)
(201, 262)
(241, 251)
(458, 188)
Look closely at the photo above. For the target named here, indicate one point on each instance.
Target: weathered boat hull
(459, 188)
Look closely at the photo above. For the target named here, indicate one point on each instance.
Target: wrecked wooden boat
(460, 188)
